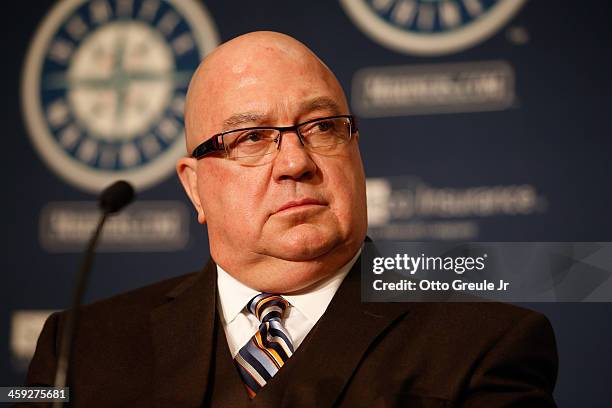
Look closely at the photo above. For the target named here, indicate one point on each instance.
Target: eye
(251, 137)
(324, 126)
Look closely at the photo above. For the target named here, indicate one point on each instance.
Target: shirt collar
(312, 303)
(233, 295)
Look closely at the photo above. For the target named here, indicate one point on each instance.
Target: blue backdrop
(479, 120)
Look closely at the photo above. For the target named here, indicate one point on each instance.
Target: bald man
(275, 319)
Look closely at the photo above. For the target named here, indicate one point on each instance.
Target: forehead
(266, 85)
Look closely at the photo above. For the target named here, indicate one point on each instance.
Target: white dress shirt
(304, 311)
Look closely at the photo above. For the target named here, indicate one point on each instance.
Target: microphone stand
(112, 199)
(72, 315)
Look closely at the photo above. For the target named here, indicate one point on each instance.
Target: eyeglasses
(256, 145)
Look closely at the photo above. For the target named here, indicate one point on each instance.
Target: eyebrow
(321, 103)
(239, 119)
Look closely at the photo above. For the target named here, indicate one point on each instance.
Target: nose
(293, 161)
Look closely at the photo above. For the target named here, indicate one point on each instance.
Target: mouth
(298, 204)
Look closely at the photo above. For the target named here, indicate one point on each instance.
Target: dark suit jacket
(162, 345)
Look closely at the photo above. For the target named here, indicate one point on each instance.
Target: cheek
(346, 185)
(230, 197)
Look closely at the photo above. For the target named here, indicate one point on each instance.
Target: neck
(274, 275)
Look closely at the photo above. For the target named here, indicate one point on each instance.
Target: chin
(305, 242)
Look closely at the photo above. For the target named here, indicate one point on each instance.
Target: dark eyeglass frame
(215, 143)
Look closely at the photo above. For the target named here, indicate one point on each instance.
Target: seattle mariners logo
(104, 87)
(430, 27)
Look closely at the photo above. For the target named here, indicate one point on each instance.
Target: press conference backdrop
(479, 120)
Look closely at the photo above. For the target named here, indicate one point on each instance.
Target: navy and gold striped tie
(269, 348)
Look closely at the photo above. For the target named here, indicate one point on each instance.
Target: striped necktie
(269, 348)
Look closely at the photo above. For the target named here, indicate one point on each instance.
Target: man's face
(283, 225)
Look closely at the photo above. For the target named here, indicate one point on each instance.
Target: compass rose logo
(104, 87)
(430, 27)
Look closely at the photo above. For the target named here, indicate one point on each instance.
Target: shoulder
(142, 299)
(112, 333)
(486, 321)
(128, 311)
(472, 346)
(468, 331)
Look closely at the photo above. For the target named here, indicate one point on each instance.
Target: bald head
(257, 60)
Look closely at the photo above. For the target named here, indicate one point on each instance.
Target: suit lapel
(320, 369)
(182, 331)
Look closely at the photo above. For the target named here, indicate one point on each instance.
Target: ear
(186, 168)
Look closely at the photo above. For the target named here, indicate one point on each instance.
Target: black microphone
(116, 196)
(111, 200)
